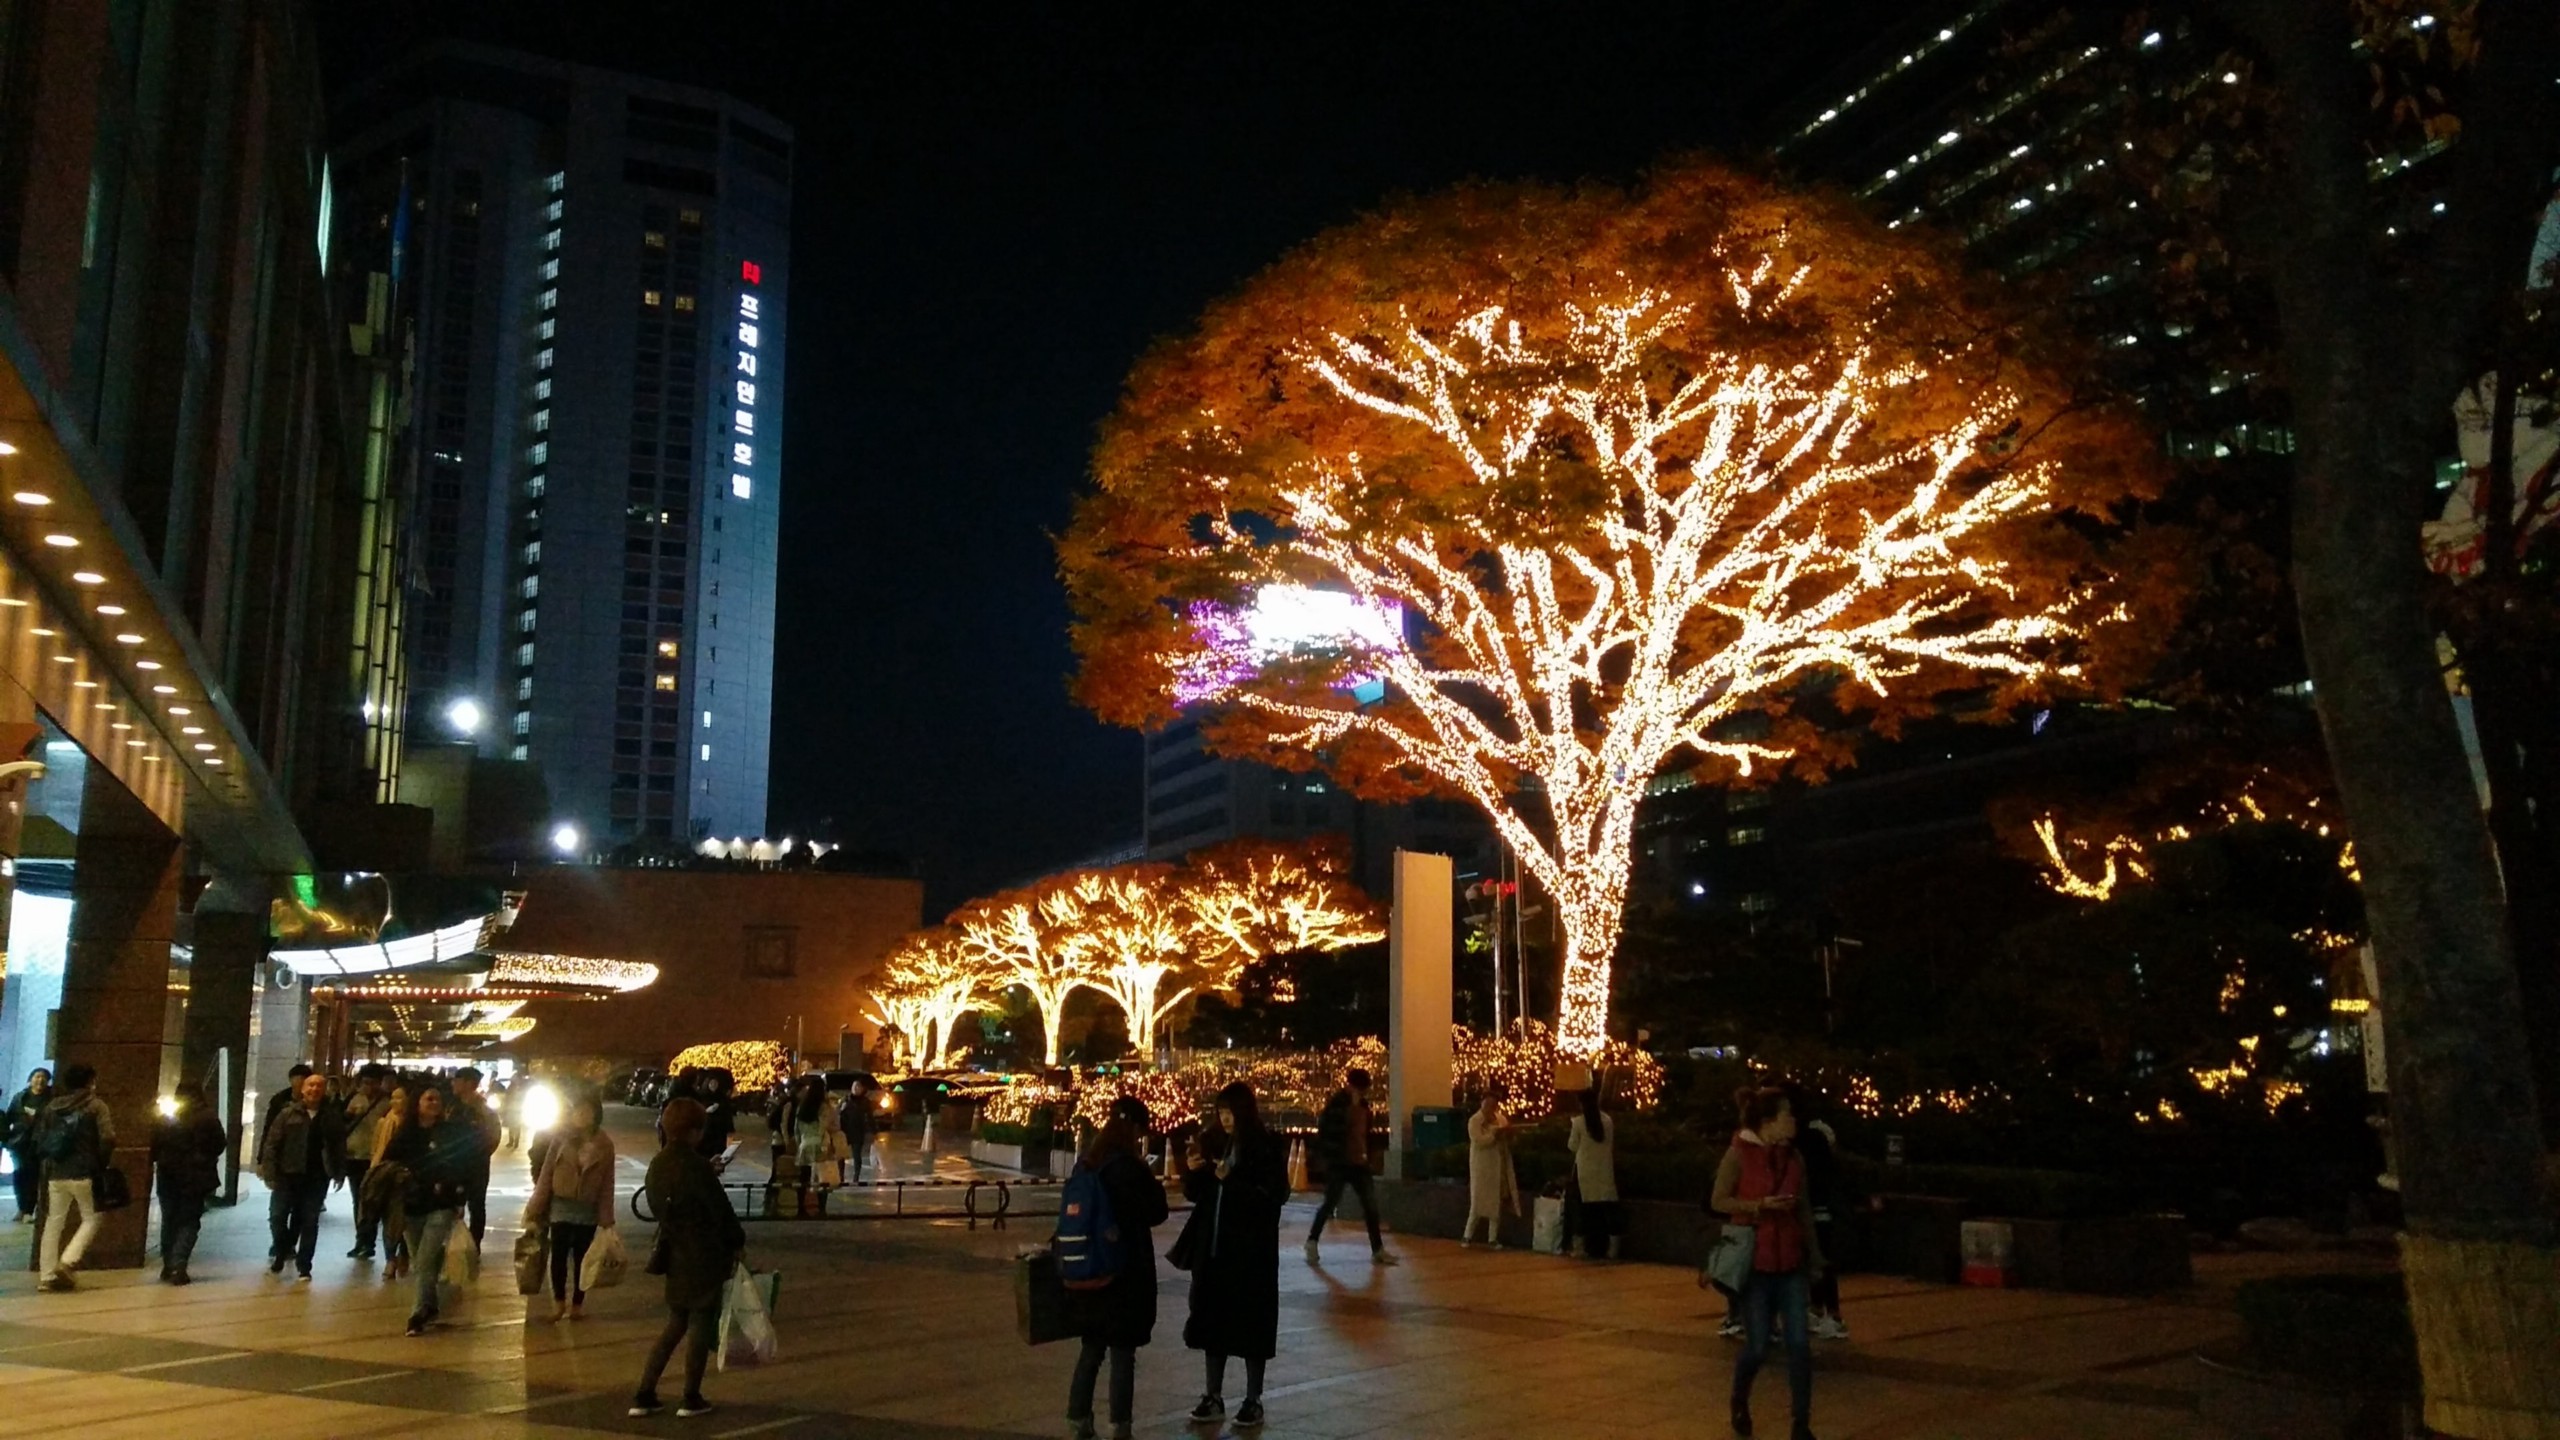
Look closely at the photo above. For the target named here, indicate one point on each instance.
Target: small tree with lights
(930, 981)
(1022, 939)
(1589, 484)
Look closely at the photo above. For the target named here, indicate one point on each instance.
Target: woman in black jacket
(186, 1156)
(18, 1132)
(1237, 1183)
(699, 1242)
(1121, 1316)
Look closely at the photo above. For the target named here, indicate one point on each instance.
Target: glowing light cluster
(1285, 622)
(1753, 531)
(502, 1030)
(754, 1064)
(451, 943)
(930, 982)
(516, 967)
(1523, 1061)
(1020, 1104)
(2088, 869)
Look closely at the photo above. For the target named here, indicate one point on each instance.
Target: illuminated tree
(930, 981)
(1248, 900)
(1126, 928)
(1636, 481)
(1022, 938)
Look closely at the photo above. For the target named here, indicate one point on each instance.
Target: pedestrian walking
(1237, 1178)
(1342, 1142)
(292, 1091)
(699, 1242)
(75, 1138)
(1116, 1319)
(1819, 1146)
(368, 1110)
(511, 1099)
(855, 1118)
(18, 1133)
(1493, 1185)
(472, 1108)
(187, 1147)
(573, 1196)
(1761, 1183)
(439, 1153)
(809, 1128)
(383, 1200)
(302, 1154)
(1593, 1139)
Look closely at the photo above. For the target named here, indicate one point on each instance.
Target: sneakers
(1313, 1254)
(419, 1320)
(275, 1264)
(59, 1282)
(693, 1407)
(1209, 1411)
(302, 1275)
(1249, 1415)
(359, 1253)
(1829, 1327)
(1731, 1329)
(181, 1277)
(643, 1406)
(1384, 1257)
(1742, 1418)
(1076, 1429)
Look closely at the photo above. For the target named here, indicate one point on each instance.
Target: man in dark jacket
(304, 1149)
(1342, 1143)
(186, 1159)
(18, 1132)
(471, 1107)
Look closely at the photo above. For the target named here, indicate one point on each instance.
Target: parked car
(646, 1086)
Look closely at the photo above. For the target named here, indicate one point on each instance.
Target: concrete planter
(1028, 1160)
(2242, 1403)
(1659, 1231)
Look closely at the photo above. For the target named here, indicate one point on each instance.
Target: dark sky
(996, 208)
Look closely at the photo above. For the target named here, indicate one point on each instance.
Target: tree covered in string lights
(1252, 899)
(1021, 939)
(1639, 480)
(930, 982)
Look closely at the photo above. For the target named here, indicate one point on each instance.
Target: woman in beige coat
(1491, 1185)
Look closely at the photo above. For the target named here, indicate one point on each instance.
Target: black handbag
(1185, 1252)
(109, 1190)
(1040, 1299)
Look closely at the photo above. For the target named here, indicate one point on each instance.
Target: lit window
(542, 358)
(524, 653)
(551, 268)
(654, 239)
(1746, 834)
(540, 454)
(651, 298)
(533, 487)
(688, 218)
(524, 687)
(667, 648)
(549, 328)
(1759, 903)
(706, 752)
(551, 240)
(745, 420)
(533, 552)
(524, 622)
(542, 388)
(666, 682)
(706, 719)
(518, 753)
(524, 722)
(751, 306)
(739, 486)
(532, 586)
(541, 421)
(550, 299)
(684, 304)
(558, 180)
(551, 211)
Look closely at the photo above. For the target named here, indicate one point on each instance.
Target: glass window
(651, 298)
(542, 388)
(540, 454)
(542, 358)
(524, 687)
(551, 268)
(520, 752)
(706, 752)
(541, 421)
(524, 722)
(550, 299)
(558, 180)
(549, 328)
(706, 719)
(551, 211)
(551, 240)
(524, 653)
(533, 486)
(689, 219)
(684, 304)
(654, 239)
(667, 648)
(666, 682)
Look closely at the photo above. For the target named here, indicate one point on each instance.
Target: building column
(1421, 1065)
(115, 985)
(222, 990)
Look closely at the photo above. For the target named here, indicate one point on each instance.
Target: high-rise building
(601, 264)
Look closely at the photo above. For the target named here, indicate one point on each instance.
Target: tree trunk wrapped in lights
(1525, 495)
(1126, 928)
(1021, 939)
(930, 981)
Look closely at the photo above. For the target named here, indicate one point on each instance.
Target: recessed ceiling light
(7, 449)
(88, 577)
(128, 638)
(84, 684)
(180, 710)
(213, 760)
(40, 630)
(191, 730)
(204, 745)
(136, 744)
(13, 600)
(32, 497)
(62, 542)
(161, 689)
(119, 725)
(65, 659)
(103, 609)
(146, 664)
(108, 705)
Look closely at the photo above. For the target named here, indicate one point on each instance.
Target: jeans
(1217, 1371)
(1354, 1178)
(27, 1180)
(1602, 1221)
(293, 1218)
(428, 1235)
(1124, 1381)
(368, 1223)
(1826, 1291)
(479, 1212)
(702, 1328)
(1774, 1296)
(60, 1197)
(181, 1218)
(569, 1259)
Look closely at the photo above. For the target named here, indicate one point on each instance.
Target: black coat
(698, 1229)
(186, 1156)
(1124, 1311)
(440, 1161)
(1234, 1241)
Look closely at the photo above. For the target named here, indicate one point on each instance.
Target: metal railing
(771, 1200)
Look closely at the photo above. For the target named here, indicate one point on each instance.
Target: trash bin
(1437, 1127)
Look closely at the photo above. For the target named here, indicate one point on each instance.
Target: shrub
(1036, 1135)
(2344, 1330)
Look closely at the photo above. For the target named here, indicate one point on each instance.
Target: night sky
(997, 207)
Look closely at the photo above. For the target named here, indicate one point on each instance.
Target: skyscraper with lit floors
(602, 273)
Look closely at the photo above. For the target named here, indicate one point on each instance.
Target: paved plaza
(905, 1329)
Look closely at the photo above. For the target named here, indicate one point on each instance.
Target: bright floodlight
(463, 715)
(1283, 621)
(565, 838)
(541, 1109)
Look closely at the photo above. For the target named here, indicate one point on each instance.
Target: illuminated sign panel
(1288, 622)
(742, 418)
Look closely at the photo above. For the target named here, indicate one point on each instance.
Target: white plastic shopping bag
(747, 1336)
(1546, 1225)
(606, 1261)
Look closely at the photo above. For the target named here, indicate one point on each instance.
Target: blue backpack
(1087, 1245)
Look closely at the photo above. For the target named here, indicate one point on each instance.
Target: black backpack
(67, 1135)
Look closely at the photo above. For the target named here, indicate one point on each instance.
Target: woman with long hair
(1120, 1316)
(18, 1132)
(1593, 1139)
(574, 1197)
(1492, 1185)
(1761, 1183)
(439, 1151)
(384, 1184)
(1232, 1244)
(699, 1242)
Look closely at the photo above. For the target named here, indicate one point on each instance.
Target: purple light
(1283, 621)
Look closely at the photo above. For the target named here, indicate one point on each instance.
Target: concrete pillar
(222, 990)
(1421, 1065)
(115, 984)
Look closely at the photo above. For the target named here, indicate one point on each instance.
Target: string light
(930, 981)
(754, 1064)
(2121, 859)
(1754, 532)
(525, 968)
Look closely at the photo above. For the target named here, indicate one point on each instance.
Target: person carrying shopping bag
(573, 1200)
(699, 1244)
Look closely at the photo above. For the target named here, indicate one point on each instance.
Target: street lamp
(463, 715)
(565, 838)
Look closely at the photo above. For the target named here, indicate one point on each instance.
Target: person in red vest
(1761, 1183)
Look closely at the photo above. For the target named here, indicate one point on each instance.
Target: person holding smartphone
(1761, 1183)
